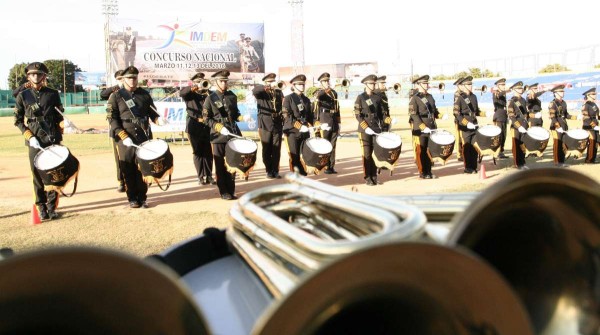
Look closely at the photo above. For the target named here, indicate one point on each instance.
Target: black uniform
(466, 109)
(459, 143)
(198, 132)
(327, 111)
(385, 106)
(423, 112)
(368, 110)
(132, 122)
(534, 105)
(516, 113)
(589, 110)
(221, 110)
(500, 116)
(558, 116)
(270, 126)
(297, 112)
(104, 95)
(36, 116)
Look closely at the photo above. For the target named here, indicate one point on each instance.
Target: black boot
(43, 212)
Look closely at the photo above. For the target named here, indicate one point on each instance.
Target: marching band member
(221, 113)
(327, 112)
(459, 143)
(534, 106)
(43, 128)
(517, 109)
(500, 115)
(269, 100)
(197, 130)
(466, 111)
(589, 111)
(104, 95)
(381, 91)
(297, 117)
(423, 112)
(130, 110)
(558, 124)
(368, 110)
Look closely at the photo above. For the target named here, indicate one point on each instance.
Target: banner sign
(168, 53)
(90, 78)
(175, 114)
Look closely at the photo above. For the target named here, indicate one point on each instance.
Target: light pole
(109, 8)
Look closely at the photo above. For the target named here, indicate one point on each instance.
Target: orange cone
(35, 216)
(482, 174)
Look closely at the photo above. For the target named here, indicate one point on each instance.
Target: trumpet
(281, 85)
(483, 89)
(346, 83)
(397, 88)
(204, 84)
(440, 86)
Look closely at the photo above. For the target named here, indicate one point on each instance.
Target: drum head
(578, 134)
(242, 145)
(52, 157)
(156, 148)
(490, 130)
(442, 137)
(389, 140)
(538, 133)
(319, 145)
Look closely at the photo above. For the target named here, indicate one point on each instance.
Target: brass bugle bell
(440, 86)
(281, 85)
(204, 84)
(346, 83)
(483, 88)
(397, 88)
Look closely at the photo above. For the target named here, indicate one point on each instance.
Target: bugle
(346, 83)
(483, 89)
(397, 88)
(281, 85)
(440, 86)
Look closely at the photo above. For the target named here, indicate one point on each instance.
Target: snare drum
(575, 142)
(316, 152)
(386, 150)
(487, 140)
(56, 166)
(240, 156)
(154, 160)
(535, 141)
(441, 145)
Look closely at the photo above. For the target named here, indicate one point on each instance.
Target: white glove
(34, 143)
(445, 116)
(224, 131)
(127, 142)
(161, 121)
(522, 129)
(304, 129)
(369, 131)
(247, 117)
(394, 120)
(597, 128)
(559, 130)
(426, 130)
(471, 125)
(538, 115)
(325, 127)
(580, 116)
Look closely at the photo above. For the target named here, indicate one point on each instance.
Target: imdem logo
(188, 37)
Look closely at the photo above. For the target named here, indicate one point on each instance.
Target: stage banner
(175, 114)
(169, 53)
(90, 78)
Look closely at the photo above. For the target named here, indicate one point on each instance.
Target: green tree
(597, 66)
(554, 68)
(16, 75)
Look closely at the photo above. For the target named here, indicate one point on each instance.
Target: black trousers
(41, 196)
(225, 180)
(120, 177)
(202, 154)
(331, 136)
(503, 126)
(592, 149)
(469, 153)
(294, 142)
(517, 150)
(271, 149)
(369, 167)
(558, 153)
(135, 186)
(420, 145)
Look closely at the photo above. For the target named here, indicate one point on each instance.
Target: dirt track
(98, 215)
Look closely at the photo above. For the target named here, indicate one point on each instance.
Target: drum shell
(573, 143)
(440, 152)
(487, 144)
(237, 161)
(156, 167)
(385, 157)
(313, 160)
(532, 145)
(57, 177)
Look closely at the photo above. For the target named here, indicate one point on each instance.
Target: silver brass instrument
(440, 86)
(483, 89)
(281, 85)
(397, 88)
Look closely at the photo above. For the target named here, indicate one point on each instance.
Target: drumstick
(152, 151)
(236, 136)
(54, 153)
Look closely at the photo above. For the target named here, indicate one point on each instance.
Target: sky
(393, 33)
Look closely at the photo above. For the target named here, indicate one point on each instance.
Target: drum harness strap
(136, 118)
(223, 110)
(429, 113)
(369, 106)
(32, 105)
(298, 103)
